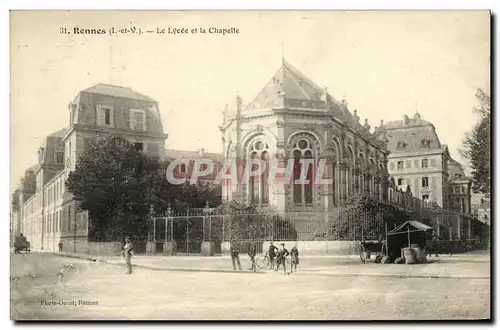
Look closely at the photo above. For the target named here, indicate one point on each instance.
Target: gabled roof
(117, 91)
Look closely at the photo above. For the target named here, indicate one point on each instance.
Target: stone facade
(419, 161)
(42, 208)
(293, 118)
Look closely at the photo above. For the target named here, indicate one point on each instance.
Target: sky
(387, 64)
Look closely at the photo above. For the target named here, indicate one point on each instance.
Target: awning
(410, 226)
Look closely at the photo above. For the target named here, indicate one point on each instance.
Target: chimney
(201, 152)
(406, 120)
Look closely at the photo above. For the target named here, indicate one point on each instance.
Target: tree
(113, 182)
(364, 216)
(117, 185)
(477, 146)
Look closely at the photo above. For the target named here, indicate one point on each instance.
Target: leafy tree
(364, 216)
(477, 146)
(117, 185)
(113, 182)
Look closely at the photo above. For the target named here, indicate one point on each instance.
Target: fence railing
(190, 230)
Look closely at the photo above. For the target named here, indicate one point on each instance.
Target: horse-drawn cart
(372, 245)
(22, 244)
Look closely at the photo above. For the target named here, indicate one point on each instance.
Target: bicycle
(263, 261)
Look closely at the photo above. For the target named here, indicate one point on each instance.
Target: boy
(294, 253)
(128, 252)
(272, 254)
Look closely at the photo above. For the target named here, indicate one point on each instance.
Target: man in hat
(235, 254)
(128, 252)
(281, 258)
(252, 251)
(272, 254)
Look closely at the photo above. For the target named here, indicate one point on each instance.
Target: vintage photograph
(250, 165)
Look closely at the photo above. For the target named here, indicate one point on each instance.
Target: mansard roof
(410, 135)
(117, 91)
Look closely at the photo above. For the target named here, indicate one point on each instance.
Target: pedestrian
(272, 255)
(128, 252)
(435, 244)
(60, 245)
(281, 258)
(235, 254)
(294, 253)
(252, 251)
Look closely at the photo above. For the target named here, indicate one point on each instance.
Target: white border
(185, 4)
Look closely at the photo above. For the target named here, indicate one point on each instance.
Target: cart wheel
(362, 253)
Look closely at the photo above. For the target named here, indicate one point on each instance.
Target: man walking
(252, 251)
(235, 254)
(60, 245)
(128, 252)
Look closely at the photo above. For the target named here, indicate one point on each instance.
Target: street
(96, 290)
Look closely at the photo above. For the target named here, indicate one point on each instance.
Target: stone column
(343, 189)
(278, 186)
(329, 193)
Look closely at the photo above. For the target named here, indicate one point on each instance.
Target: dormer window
(138, 120)
(104, 115)
(402, 144)
(40, 155)
(59, 157)
(425, 143)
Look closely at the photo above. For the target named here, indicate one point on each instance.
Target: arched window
(259, 185)
(303, 189)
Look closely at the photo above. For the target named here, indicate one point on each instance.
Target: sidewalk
(460, 266)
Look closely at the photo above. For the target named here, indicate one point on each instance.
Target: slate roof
(60, 133)
(454, 169)
(294, 86)
(192, 155)
(117, 91)
(409, 135)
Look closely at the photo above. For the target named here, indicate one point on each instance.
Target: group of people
(277, 256)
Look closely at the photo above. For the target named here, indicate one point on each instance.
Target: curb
(304, 273)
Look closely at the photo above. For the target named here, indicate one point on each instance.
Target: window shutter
(408, 164)
(131, 119)
(100, 116)
(417, 186)
(391, 166)
(415, 163)
(433, 162)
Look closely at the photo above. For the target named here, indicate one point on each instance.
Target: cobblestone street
(106, 292)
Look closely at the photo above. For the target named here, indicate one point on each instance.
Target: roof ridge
(297, 72)
(264, 88)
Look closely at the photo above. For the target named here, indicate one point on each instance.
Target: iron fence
(189, 231)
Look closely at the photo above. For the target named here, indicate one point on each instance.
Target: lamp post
(151, 216)
(169, 215)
